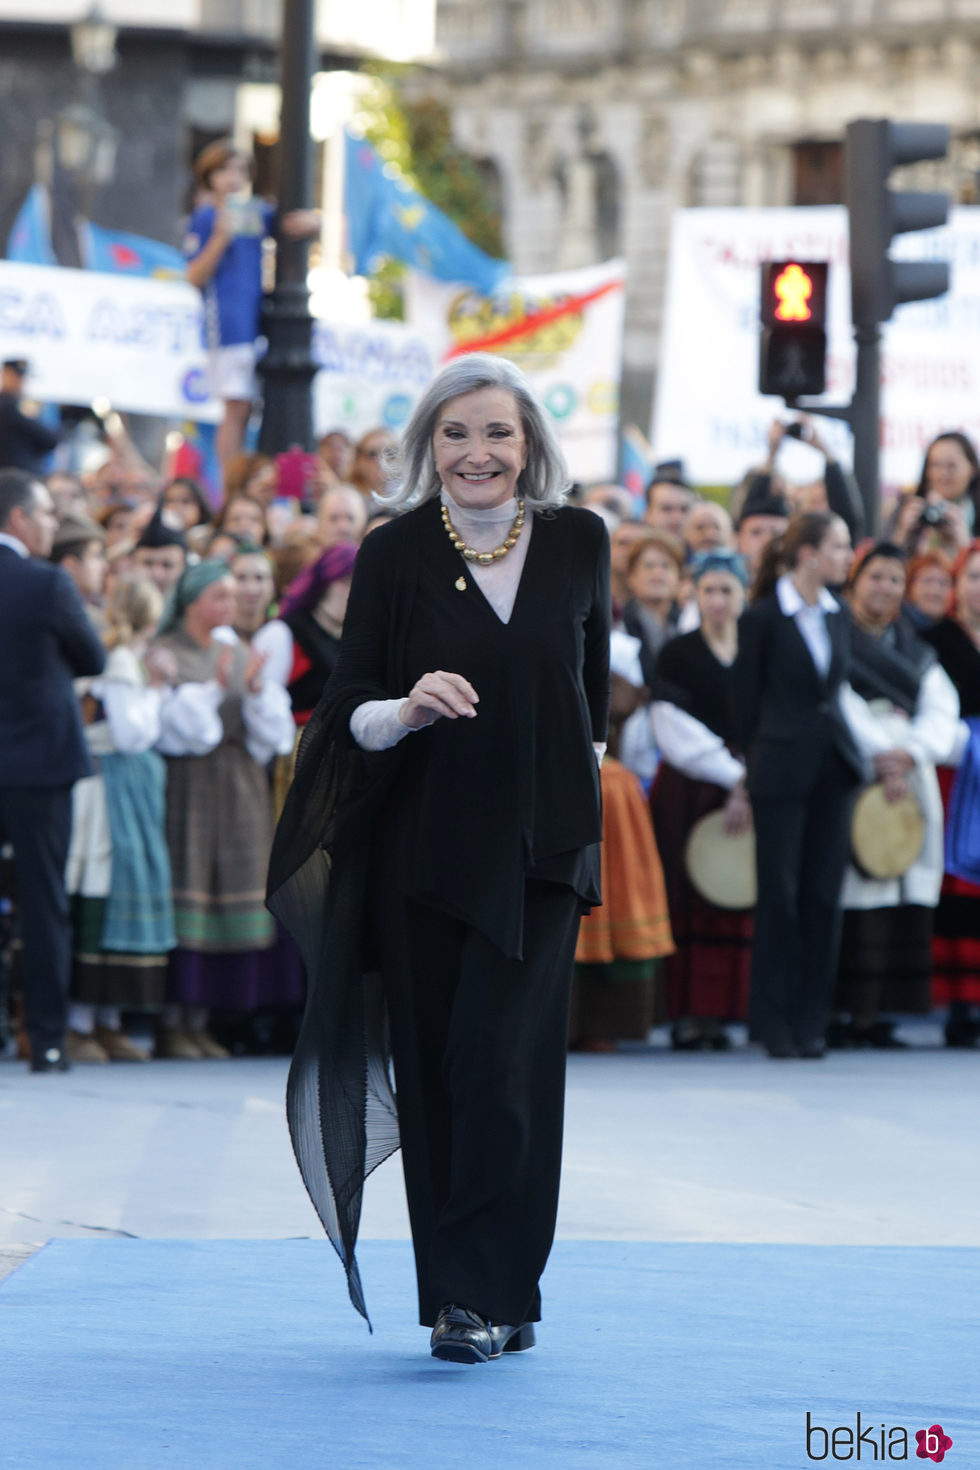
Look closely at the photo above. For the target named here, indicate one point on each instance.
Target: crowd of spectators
(215, 631)
(219, 626)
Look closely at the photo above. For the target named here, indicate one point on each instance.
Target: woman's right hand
(436, 696)
(738, 812)
(222, 666)
(909, 516)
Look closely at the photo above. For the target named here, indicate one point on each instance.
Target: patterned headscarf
(307, 589)
(720, 559)
(193, 581)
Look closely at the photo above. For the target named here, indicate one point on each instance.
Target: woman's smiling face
(480, 448)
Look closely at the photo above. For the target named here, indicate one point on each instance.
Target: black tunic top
(691, 676)
(960, 657)
(485, 802)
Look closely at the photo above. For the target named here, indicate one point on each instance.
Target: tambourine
(721, 867)
(886, 836)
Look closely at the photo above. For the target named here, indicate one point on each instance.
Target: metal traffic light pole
(876, 214)
(865, 422)
(863, 417)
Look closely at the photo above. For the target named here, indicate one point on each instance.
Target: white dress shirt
(810, 619)
(14, 543)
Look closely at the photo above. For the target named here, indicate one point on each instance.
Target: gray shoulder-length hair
(543, 482)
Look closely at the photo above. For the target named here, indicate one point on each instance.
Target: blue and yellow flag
(385, 217)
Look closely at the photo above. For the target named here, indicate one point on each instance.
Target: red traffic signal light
(794, 292)
(793, 310)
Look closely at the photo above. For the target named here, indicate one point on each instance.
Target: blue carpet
(244, 1355)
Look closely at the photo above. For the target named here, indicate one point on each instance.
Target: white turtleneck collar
(486, 516)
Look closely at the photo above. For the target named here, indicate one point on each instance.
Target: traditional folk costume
(313, 650)
(621, 944)
(118, 872)
(435, 886)
(653, 634)
(956, 941)
(707, 978)
(218, 744)
(905, 702)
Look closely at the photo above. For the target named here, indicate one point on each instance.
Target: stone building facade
(596, 119)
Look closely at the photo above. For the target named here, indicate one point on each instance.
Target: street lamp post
(80, 140)
(288, 368)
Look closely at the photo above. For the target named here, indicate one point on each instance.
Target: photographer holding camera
(941, 513)
(835, 492)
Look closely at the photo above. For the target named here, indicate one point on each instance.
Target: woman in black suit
(439, 845)
(802, 768)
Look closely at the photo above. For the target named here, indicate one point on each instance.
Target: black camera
(793, 431)
(932, 515)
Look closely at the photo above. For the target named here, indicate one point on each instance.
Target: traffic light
(873, 147)
(793, 312)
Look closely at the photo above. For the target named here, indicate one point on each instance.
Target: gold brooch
(460, 584)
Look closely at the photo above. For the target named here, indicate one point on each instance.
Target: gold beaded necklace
(485, 558)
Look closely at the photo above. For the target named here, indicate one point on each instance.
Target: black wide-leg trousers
(802, 845)
(479, 1044)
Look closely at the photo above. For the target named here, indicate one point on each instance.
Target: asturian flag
(30, 237)
(385, 217)
(114, 251)
(117, 251)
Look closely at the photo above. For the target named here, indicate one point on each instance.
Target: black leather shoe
(962, 1034)
(812, 1050)
(780, 1050)
(462, 1336)
(880, 1036)
(52, 1060)
(841, 1036)
(510, 1339)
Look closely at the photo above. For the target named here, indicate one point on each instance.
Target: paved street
(861, 1149)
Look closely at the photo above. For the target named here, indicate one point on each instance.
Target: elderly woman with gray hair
(439, 844)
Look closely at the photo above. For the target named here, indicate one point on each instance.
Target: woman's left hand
(161, 668)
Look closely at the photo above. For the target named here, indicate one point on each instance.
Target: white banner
(372, 376)
(137, 343)
(572, 355)
(707, 409)
(90, 335)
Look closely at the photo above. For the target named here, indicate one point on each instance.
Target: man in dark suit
(47, 641)
(24, 440)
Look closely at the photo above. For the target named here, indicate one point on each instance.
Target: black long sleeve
(844, 499)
